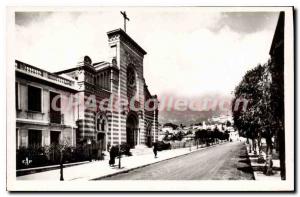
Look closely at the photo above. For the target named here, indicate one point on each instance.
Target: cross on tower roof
(125, 18)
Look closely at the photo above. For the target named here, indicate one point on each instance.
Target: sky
(190, 52)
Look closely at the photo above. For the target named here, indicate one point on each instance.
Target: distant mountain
(187, 117)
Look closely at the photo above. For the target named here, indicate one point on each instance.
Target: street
(224, 162)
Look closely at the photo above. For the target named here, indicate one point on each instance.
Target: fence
(36, 156)
(182, 144)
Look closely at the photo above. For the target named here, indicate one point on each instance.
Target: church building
(133, 120)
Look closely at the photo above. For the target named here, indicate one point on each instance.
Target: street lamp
(119, 155)
(61, 165)
(89, 142)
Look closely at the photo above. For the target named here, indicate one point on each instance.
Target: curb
(134, 168)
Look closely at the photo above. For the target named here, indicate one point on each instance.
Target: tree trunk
(254, 146)
(249, 145)
(269, 162)
(260, 156)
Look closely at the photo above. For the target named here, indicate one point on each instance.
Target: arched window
(131, 79)
(101, 123)
(131, 82)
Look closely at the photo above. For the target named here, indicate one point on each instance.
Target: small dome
(84, 61)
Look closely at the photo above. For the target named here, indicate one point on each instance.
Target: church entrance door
(149, 135)
(132, 129)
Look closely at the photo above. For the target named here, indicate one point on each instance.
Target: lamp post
(119, 156)
(89, 142)
(61, 165)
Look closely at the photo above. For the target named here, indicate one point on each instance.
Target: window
(130, 76)
(131, 82)
(98, 124)
(98, 80)
(54, 137)
(17, 138)
(34, 99)
(101, 81)
(55, 108)
(17, 96)
(105, 81)
(101, 124)
(34, 138)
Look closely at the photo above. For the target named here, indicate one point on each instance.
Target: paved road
(223, 162)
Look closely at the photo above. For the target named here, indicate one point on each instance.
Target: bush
(31, 157)
(50, 155)
(163, 146)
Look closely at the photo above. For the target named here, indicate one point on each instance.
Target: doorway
(132, 129)
(54, 137)
(149, 135)
(101, 131)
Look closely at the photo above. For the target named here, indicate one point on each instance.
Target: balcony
(31, 70)
(56, 118)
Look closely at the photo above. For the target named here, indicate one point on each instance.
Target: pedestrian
(112, 155)
(155, 150)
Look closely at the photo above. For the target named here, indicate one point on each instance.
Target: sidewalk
(258, 168)
(101, 169)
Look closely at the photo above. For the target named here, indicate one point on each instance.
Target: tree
(201, 135)
(256, 117)
(228, 123)
(216, 134)
(174, 126)
(209, 136)
(244, 114)
(179, 135)
(166, 137)
(62, 147)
